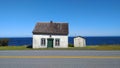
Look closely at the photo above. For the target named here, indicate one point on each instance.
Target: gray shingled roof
(51, 28)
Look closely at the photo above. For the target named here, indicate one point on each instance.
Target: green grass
(101, 47)
(105, 47)
(14, 48)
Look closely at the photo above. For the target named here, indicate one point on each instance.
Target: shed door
(50, 43)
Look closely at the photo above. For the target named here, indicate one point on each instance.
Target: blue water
(89, 40)
(20, 41)
(99, 40)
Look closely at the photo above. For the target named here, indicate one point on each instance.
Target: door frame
(48, 39)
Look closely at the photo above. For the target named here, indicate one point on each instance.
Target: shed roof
(78, 37)
(51, 28)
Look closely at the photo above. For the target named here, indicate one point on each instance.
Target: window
(57, 42)
(43, 42)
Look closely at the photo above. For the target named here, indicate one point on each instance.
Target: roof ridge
(53, 22)
(48, 28)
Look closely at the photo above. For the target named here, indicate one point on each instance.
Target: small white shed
(79, 42)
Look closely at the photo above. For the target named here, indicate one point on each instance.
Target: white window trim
(43, 41)
(57, 43)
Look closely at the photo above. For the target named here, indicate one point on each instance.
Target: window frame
(57, 42)
(43, 41)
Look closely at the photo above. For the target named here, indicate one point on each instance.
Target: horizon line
(68, 36)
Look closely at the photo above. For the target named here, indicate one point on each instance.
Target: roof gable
(51, 28)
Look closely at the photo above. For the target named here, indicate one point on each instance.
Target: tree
(4, 42)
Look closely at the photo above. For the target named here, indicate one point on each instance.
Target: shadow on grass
(29, 46)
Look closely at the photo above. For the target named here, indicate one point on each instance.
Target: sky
(85, 17)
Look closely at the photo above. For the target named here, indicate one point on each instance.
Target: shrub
(0, 43)
(4, 42)
(70, 45)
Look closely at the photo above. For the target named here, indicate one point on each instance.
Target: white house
(79, 41)
(49, 34)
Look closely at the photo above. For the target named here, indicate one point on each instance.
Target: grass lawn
(101, 47)
(14, 48)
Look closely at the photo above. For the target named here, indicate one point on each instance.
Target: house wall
(37, 41)
(79, 42)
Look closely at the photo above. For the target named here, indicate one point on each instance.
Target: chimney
(51, 21)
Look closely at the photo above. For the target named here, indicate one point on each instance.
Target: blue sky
(85, 17)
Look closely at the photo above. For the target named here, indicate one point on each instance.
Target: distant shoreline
(96, 40)
(68, 36)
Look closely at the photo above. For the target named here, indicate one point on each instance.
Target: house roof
(51, 28)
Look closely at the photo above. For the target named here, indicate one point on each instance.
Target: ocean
(18, 41)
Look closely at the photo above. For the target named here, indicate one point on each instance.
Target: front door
(50, 43)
